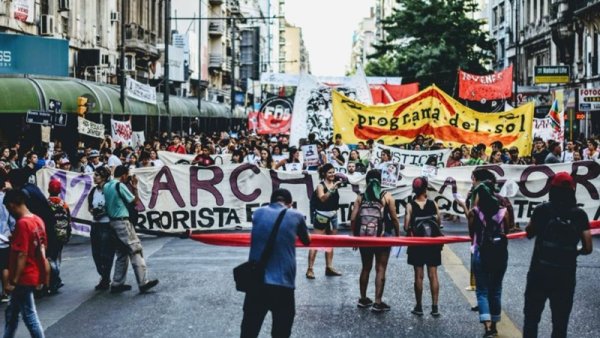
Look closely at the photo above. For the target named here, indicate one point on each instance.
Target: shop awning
(20, 94)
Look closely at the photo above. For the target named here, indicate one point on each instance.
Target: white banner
(140, 91)
(312, 105)
(182, 197)
(89, 128)
(407, 157)
(543, 129)
(170, 158)
(121, 132)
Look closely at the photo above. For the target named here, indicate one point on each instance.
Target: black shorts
(4, 258)
(430, 255)
(374, 250)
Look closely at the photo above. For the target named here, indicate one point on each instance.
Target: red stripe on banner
(320, 241)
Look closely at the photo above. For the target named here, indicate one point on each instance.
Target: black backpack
(493, 247)
(424, 226)
(556, 244)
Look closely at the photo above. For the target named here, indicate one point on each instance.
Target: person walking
(128, 245)
(62, 229)
(101, 234)
(28, 266)
(277, 292)
(374, 215)
(488, 225)
(558, 226)
(325, 203)
(422, 219)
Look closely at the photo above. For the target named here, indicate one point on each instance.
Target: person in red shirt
(177, 147)
(28, 267)
(203, 159)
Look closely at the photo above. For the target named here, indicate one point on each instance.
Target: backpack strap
(118, 186)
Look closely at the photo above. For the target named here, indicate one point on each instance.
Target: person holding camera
(324, 205)
(119, 202)
(103, 249)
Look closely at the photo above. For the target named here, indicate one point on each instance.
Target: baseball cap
(563, 180)
(273, 139)
(54, 187)
(64, 160)
(94, 153)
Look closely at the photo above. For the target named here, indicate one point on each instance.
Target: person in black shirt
(558, 226)
(540, 152)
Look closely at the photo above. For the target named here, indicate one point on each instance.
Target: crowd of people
(34, 229)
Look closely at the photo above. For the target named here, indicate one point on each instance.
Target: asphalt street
(196, 296)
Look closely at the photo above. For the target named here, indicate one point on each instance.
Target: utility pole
(517, 52)
(199, 32)
(232, 22)
(166, 73)
(122, 57)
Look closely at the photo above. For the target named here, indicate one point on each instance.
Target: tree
(428, 40)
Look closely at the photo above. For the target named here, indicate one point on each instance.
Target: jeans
(544, 283)
(277, 299)
(129, 247)
(488, 289)
(55, 262)
(103, 248)
(22, 302)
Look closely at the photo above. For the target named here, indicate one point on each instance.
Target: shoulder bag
(250, 275)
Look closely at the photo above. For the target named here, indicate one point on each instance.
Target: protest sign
(138, 138)
(121, 132)
(431, 113)
(406, 157)
(312, 105)
(485, 87)
(310, 155)
(89, 128)
(183, 197)
(170, 158)
(389, 174)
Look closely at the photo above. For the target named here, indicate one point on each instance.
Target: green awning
(67, 91)
(18, 95)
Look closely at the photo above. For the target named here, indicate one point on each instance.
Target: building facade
(297, 59)
(363, 39)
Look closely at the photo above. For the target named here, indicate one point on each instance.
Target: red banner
(489, 87)
(275, 116)
(253, 120)
(388, 93)
(320, 241)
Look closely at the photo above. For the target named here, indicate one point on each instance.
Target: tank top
(330, 204)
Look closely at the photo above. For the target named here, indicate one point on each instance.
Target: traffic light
(82, 106)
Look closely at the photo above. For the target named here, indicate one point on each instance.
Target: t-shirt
(28, 232)
(115, 206)
(474, 161)
(541, 217)
(98, 202)
(551, 158)
(540, 157)
(567, 156)
(114, 161)
(281, 266)
(180, 149)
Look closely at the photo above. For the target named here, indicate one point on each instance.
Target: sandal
(310, 274)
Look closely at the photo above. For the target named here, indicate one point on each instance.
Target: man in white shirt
(567, 154)
(94, 161)
(111, 160)
(340, 145)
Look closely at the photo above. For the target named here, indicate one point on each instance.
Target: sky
(327, 28)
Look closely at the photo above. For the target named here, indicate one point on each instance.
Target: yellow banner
(432, 113)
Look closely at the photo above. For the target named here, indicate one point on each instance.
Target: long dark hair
(487, 203)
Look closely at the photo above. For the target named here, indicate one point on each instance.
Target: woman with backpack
(422, 219)
(325, 202)
(103, 249)
(374, 215)
(488, 226)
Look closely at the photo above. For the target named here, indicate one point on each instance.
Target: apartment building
(362, 40)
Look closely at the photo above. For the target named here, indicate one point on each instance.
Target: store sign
(589, 99)
(20, 54)
(551, 74)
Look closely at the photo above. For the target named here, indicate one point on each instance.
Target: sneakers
(332, 272)
(418, 310)
(489, 334)
(120, 288)
(149, 285)
(310, 274)
(102, 285)
(380, 307)
(4, 299)
(364, 302)
(434, 311)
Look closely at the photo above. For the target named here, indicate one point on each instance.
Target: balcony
(215, 2)
(216, 28)
(140, 40)
(215, 61)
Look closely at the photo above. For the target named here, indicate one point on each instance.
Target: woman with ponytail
(488, 226)
(374, 214)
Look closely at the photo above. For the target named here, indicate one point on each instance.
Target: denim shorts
(324, 222)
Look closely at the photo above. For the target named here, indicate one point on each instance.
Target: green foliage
(428, 40)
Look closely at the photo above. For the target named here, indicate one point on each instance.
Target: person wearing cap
(119, 200)
(93, 162)
(62, 230)
(558, 226)
(277, 292)
(64, 164)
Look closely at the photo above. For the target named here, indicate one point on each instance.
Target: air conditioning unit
(64, 5)
(114, 17)
(47, 25)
